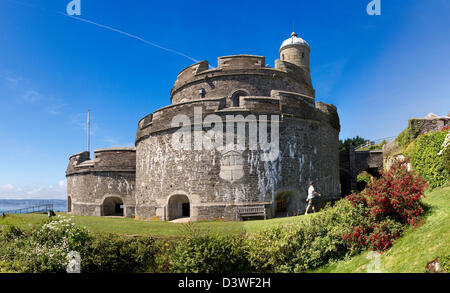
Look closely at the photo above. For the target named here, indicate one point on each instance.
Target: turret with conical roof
(295, 50)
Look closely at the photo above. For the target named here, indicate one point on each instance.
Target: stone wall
(296, 54)
(352, 163)
(308, 151)
(159, 181)
(241, 72)
(94, 186)
(420, 126)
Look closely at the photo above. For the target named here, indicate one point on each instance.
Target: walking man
(311, 200)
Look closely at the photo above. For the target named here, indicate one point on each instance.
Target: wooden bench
(251, 211)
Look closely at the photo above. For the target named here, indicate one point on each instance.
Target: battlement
(158, 180)
(146, 121)
(105, 160)
(240, 62)
(80, 157)
(329, 114)
(295, 97)
(326, 108)
(239, 72)
(189, 72)
(284, 103)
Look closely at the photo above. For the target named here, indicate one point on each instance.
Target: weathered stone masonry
(210, 184)
(96, 187)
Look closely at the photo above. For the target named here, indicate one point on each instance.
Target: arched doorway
(283, 202)
(178, 207)
(366, 177)
(69, 204)
(112, 206)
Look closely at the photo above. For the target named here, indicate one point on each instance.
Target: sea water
(59, 205)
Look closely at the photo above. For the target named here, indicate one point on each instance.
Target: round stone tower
(296, 51)
(237, 137)
(103, 186)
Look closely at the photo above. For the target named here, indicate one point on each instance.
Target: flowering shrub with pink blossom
(389, 203)
(372, 219)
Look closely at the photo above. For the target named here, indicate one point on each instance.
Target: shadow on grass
(428, 209)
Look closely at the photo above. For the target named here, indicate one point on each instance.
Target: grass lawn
(127, 226)
(409, 254)
(416, 248)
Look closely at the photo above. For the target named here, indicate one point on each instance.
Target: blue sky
(378, 70)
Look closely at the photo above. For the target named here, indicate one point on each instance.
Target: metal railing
(44, 208)
(374, 142)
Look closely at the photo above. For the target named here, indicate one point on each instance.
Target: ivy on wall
(404, 138)
(423, 154)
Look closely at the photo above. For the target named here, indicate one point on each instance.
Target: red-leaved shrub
(390, 203)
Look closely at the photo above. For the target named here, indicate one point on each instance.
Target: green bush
(362, 180)
(445, 151)
(423, 155)
(44, 249)
(446, 159)
(209, 253)
(108, 253)
(444, 262)
(41, 249)
(297, 248)
(404, 138)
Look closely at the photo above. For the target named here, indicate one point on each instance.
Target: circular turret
(295, 50)
(103, 186)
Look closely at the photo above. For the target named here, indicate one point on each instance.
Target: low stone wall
(85, 209)
(425, 125)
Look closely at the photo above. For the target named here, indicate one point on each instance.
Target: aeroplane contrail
(108, 28)
(129, 35)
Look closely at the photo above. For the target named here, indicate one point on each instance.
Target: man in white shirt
(311, 200)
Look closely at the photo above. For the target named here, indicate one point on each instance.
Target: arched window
(202, 93)
(69, 204)
(236, 98)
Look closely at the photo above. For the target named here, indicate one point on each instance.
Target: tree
(356, 141)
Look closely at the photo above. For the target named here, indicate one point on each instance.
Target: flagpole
(89, 130)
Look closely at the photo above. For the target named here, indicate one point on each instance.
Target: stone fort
(156, 181)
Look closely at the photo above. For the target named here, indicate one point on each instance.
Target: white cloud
(54, 109)
(54, 191)
(14, 81)
(117, 142)
(31, 96)
(7, 187)
(62, 183)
